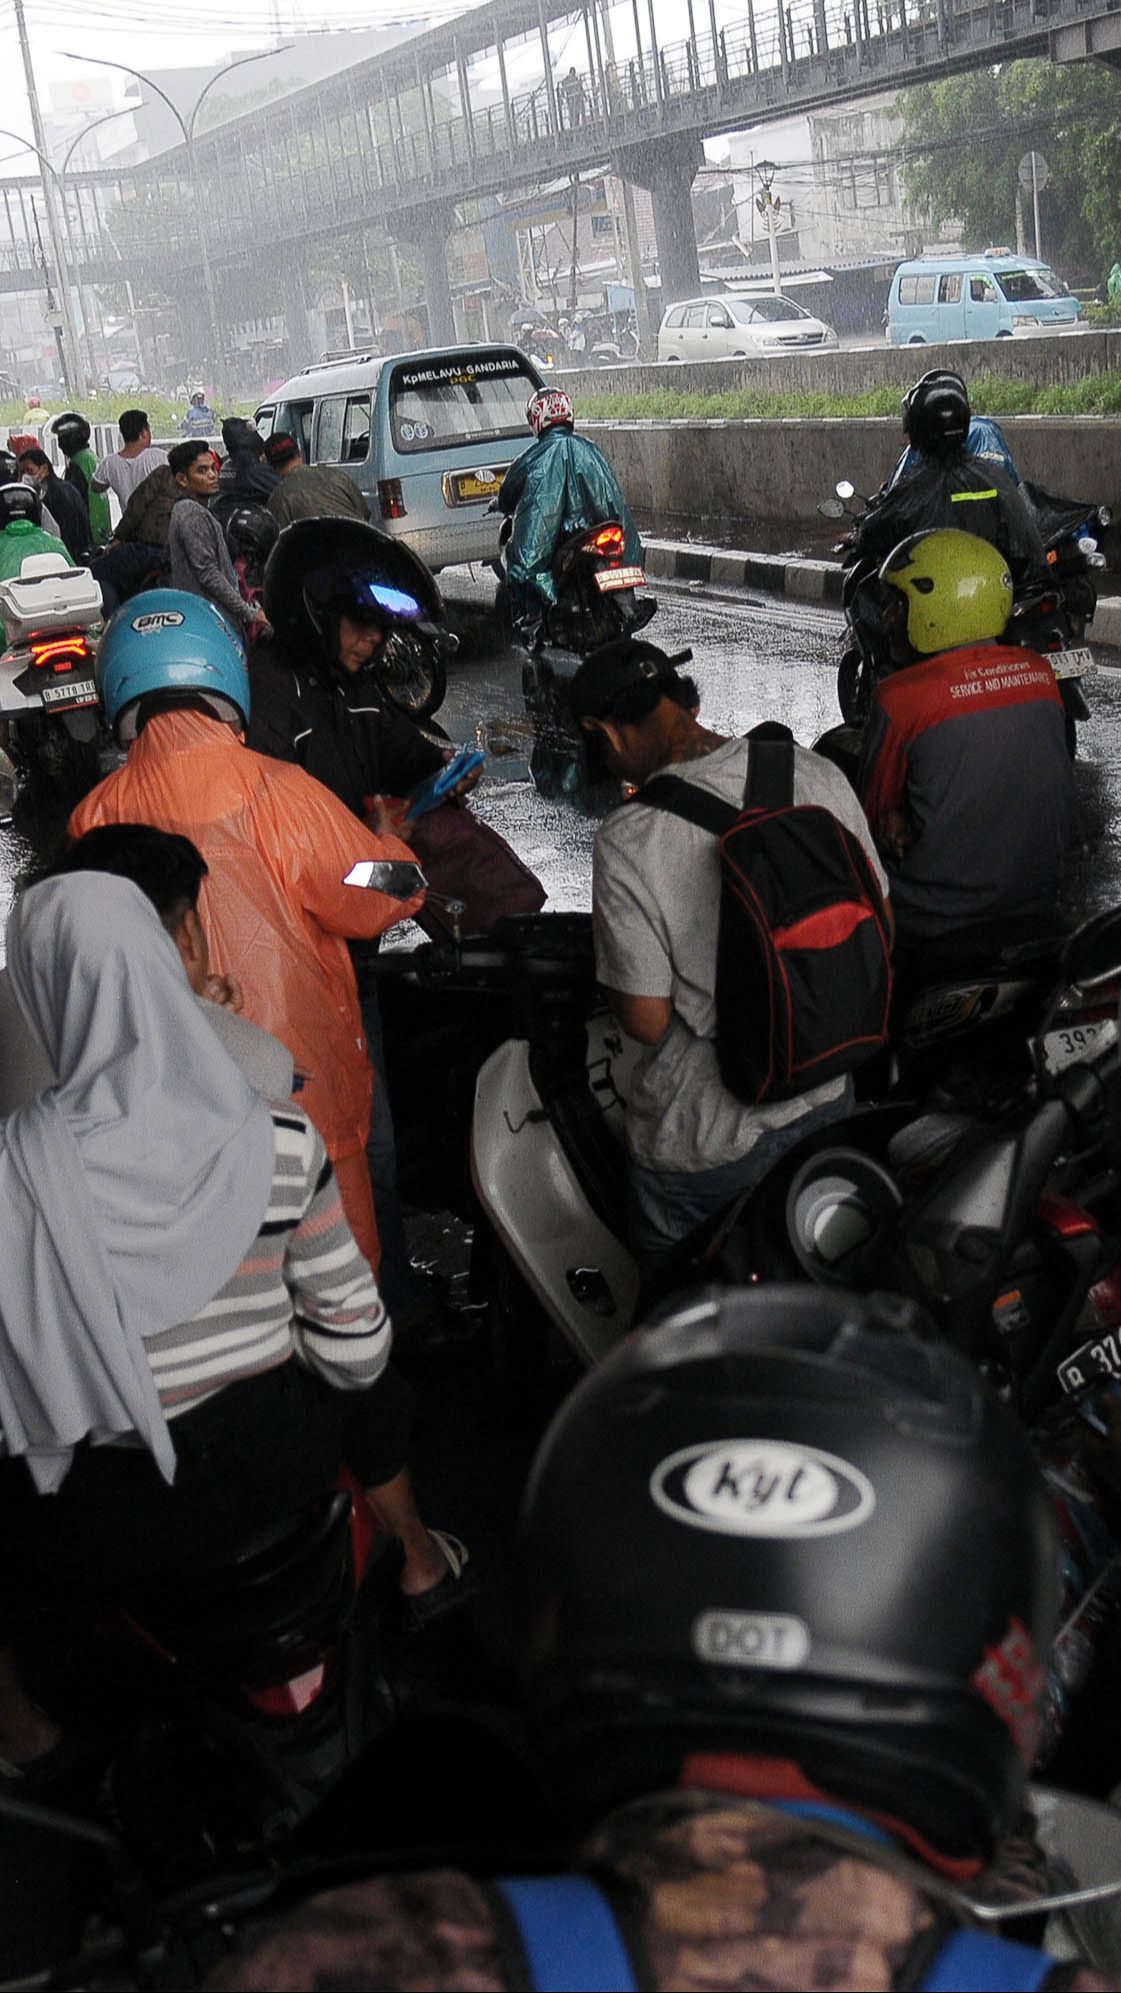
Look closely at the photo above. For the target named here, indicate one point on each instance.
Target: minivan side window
(949, 290)
(982, 290)
(916, 290)
(266, 423)
(295, 420)
(718, 317)
(675, 318)
(356, 429)
(329, 431)
(695, 317)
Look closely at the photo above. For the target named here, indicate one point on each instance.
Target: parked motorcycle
(1049, 619)
(598, 594)
(49, 699)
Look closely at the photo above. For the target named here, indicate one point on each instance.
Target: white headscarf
(132, 1190)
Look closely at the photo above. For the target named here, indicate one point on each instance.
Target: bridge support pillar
(429, 228)
(668, 169)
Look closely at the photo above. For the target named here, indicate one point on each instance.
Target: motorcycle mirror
(400, 878)
(1093, 953)
(844, 488)
(831, 508)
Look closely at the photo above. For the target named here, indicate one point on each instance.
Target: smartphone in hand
(436, 788)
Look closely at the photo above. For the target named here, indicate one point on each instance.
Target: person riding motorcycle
(278, 846)
(561, 485)
(950, 488)
(966, 778)
(21, 533)
(334, 590)
(985, 439)
(785, 1738)
(73, 433)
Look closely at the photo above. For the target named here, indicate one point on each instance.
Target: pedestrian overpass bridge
(392, 145)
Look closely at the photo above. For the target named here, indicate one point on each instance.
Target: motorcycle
(49, 699)
(1050, 619)
(596, 592)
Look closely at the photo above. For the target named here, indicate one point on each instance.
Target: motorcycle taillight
(391, 498)
(608, 540)
(61, 653)
(290, 1698)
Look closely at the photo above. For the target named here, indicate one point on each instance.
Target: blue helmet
(168, 641)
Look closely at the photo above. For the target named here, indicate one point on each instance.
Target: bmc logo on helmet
(157, 619)
(762, 1487)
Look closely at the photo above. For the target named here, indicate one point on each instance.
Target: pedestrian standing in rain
(574, 98)
(196, 544)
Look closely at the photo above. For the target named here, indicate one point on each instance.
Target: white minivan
(730, 327)
(427, 437)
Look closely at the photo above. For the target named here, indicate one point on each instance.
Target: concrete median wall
(775, 472)
(1049, 361)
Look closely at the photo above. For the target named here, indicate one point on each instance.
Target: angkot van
(427, 437)
(994, 296)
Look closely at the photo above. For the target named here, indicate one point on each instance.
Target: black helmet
(936, 413)
(788, 1523)
(251, 530)
(321, 569)
(19, 501)
(73, 432)
(240, 432)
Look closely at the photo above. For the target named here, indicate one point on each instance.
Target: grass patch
(1096, 394)
(164, 415)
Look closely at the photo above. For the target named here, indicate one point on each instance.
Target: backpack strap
(770, 767)
(569, 1934)
(974, 1962)
(685, 799)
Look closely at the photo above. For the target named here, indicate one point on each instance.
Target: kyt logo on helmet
(762, 1487)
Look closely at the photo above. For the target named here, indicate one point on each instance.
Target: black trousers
(256, 1452)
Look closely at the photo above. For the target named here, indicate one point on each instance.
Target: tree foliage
(964, 138)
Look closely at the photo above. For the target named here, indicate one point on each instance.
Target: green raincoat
(560, 485)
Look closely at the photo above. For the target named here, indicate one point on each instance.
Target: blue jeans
(666, 1205)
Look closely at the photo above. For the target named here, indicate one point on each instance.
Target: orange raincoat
(278, 845)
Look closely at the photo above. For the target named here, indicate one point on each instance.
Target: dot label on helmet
(156, 619)
(751, 1639)
(762, 1487)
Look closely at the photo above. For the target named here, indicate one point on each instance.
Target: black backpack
(803, 967)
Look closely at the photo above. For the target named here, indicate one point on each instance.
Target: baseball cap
(606, 674)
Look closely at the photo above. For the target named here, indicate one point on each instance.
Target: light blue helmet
(168, 641)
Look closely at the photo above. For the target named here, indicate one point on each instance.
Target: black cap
(616, 668)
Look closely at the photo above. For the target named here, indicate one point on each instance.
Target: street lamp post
(768, 205)
(187, 127)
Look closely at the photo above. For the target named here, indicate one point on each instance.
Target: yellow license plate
(469, 486)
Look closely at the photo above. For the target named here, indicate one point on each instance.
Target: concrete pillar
(429, 228)
(668, 169)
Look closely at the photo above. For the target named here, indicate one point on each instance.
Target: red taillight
(61, 654)
(293, 1697)
(608, 540)
(391, 498)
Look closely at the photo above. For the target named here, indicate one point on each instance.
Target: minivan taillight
(391, 499)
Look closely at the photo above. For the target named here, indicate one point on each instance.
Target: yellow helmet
(957, 589)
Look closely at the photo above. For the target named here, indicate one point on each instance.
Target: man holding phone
(334, 591)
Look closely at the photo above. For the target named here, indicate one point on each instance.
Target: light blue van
(427, 437)
(994, 296)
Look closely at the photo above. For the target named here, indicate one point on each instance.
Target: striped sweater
(303, 1289)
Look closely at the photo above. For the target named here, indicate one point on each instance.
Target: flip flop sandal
(454, 1589)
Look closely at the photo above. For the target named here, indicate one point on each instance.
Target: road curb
(727, 567)
(803, 580)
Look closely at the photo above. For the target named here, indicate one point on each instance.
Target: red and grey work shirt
(970, 746)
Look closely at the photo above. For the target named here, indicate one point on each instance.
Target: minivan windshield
(766, 311)
(1020, 286)
(467, 398)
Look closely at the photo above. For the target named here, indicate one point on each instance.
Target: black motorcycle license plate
(69, 695)
(1097, 1359)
